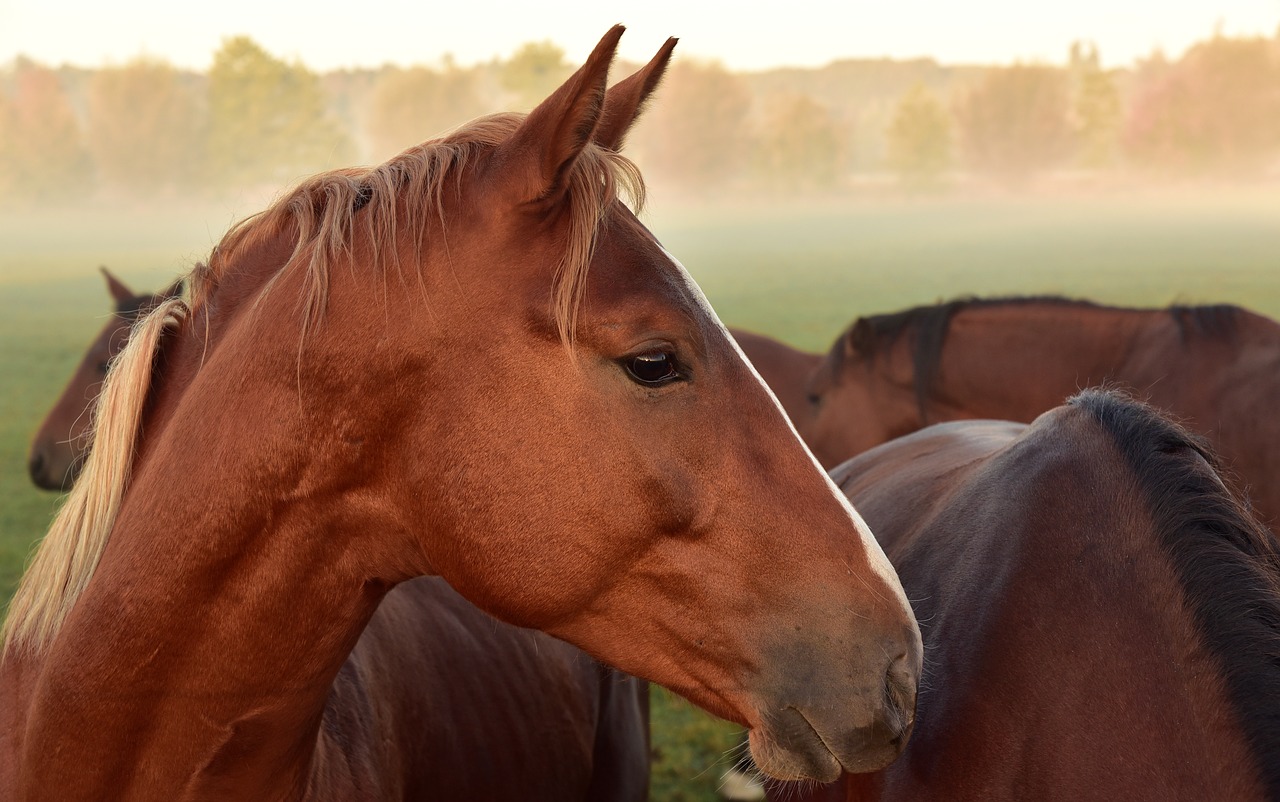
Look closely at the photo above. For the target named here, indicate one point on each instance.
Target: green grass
(798, 272)
(803, 273)
(52, 303)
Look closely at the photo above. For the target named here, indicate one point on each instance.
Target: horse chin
(810, 761)
(789, 747)
(797, 758)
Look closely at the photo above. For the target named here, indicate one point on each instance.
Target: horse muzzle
(816, 737)
(51, 471)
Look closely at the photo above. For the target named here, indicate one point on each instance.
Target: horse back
(1060, 659)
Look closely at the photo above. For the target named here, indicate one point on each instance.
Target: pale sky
(327, 34)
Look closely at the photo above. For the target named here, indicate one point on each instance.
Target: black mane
(1214, 322)
(927, 328)
(1228, 564)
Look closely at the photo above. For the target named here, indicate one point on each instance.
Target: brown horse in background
(1215, 368)
(1101, 615)
(462, 681)
(473, 362)
(59, 447)
(785, 370)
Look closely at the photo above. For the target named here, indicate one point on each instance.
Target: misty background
(146, 131)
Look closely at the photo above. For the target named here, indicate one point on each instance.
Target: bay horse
(59, 447)
(1101, 614)
(468, 690)
(470, 362)
(785, 370)
(1215, 368)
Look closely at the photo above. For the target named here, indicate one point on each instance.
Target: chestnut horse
(785, 370)
(59, 447)
(468, 689)
(1215, 368)
(474, 362)
(1101, 614)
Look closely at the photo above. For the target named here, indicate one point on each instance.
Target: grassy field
(803, 272)
(799, 272)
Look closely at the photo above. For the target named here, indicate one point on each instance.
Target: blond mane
(69, 553)
(322, 214)
(324, 209)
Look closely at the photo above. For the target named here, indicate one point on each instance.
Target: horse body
(439, 701)
(1101, 617)
(410, 371)
(1214, 368)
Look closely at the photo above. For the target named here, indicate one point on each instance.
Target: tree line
(147, 129)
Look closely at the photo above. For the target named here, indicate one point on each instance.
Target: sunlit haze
(328, 34)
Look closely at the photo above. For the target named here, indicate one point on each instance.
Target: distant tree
(800, 145)
(42, 153)
(533, 72)
(1217, 109)
(410, 105)
(919, 139)
(1097, 114)
(268, 121)
(697, 136)
(1015, 122)
(348, 95)
(145, 127)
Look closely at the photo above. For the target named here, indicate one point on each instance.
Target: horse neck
(200, 657)
(1097, 610)
(1012, 362)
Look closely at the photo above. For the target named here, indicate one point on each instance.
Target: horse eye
(814, 399)
(653, 368)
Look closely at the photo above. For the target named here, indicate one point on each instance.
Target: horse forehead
(128, 308)
(624, 239)
(630, 263)
(115, 330)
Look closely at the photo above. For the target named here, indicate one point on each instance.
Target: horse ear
(860, 339)
(626, 99)
(541, 151)
(116, 287)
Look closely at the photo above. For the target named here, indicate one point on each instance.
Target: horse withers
(472, 361)
(1101, 615)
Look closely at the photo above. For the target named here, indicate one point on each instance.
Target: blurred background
(806, 166)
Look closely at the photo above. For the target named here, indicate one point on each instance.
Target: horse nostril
(36, 464)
